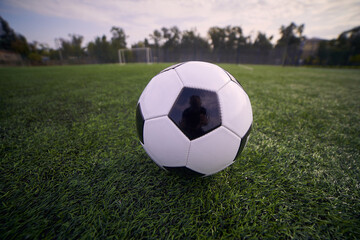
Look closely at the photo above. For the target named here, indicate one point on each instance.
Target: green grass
(72, 167)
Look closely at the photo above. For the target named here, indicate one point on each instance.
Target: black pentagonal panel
(243, 142)
(196, 112)
(140, 123)
(184, 171)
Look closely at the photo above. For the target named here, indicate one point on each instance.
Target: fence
(276, 56)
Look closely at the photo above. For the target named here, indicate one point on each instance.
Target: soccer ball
(194, 118)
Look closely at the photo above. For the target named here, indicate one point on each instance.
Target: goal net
(135, 55)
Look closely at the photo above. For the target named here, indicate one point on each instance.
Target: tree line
(345, 50)
(222, 44)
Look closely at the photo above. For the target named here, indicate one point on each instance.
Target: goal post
(135, 55)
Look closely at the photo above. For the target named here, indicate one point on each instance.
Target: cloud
(140, 17)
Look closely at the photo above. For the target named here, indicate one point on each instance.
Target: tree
(345, 50)
(354, 45)
(11, 41)
(193, 43)
(217, 37)
(156, 37)
(106, 51)
(20, 45)
(118, 40)
(72, 48)
(100, 49)
(291, 37)
(141, 44)
(234, 38)
(172, 37)
(192, 39)
(262, 42)
(228, 40)
(291, 34)
(7, 36)
(76, 42)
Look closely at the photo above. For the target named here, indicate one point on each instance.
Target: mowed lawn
(72, 167)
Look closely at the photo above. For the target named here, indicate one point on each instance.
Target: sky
(45, 20)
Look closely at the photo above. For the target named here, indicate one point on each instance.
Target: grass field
(72, 167)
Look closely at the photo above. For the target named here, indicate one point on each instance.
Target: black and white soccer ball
(194, 118)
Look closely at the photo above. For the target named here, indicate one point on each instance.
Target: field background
(71, 165)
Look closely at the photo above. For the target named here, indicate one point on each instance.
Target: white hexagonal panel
(165, 143)
(202, 75)
(213, 152)
(235, 108)
(160, 94)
